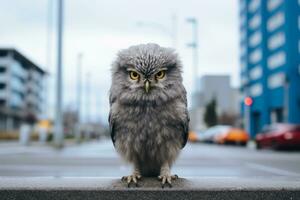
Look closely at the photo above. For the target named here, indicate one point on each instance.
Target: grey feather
(148, 129)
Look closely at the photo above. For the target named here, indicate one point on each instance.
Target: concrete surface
(209, 171)
(99, 159)
(193, 188)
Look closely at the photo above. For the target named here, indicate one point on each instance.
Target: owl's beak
(147, 86)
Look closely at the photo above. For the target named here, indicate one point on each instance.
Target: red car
(279, 136)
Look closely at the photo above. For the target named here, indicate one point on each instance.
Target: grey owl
(148, 110)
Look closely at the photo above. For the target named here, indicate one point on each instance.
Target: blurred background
(241, 71)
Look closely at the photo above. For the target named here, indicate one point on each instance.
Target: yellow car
(193, 137)
(232, 136)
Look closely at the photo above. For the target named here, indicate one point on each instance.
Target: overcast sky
(99, 28)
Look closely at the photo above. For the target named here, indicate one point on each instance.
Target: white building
(209, 87)
(21, 89)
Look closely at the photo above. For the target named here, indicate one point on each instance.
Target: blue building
(270, 70)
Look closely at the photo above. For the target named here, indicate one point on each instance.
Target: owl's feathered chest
(147, 126)
(147, 117)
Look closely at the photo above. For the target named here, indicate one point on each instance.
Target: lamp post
(59, 135)
(194, 46)
(79, 69)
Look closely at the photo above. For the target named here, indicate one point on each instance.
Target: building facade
(210, 87)
(21, 90)
(270, 72)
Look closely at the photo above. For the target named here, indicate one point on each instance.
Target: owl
(148, 111)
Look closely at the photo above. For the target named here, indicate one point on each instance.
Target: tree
(210, 115)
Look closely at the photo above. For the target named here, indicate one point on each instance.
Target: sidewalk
(197, 188)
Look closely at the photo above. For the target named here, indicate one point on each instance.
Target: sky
(100, 28)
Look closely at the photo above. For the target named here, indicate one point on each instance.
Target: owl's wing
(185, 123)
(111, 128)
(185, 127)
(111, 121)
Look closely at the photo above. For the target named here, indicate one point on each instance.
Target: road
(98, 159)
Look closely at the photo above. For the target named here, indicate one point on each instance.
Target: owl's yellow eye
(160, 75)
(134, 75)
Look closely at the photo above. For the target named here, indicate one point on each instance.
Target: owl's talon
(174, 177)
(167, 180)
(131, 179)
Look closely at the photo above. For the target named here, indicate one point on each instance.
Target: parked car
(209, 134)
(195, 136)
(279, 136)
(232, 136)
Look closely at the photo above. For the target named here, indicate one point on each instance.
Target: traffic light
(248, 101)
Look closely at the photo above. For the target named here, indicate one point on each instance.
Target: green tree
(210, 115)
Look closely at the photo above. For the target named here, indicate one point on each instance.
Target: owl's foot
(167, 179)
(132, 179)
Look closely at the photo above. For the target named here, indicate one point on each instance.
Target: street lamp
(78, 127)
(171, 32)
(194, 46)
(59, 135)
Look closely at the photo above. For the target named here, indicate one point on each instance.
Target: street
(98, 159)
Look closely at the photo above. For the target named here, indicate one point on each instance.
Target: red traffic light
(248, 101)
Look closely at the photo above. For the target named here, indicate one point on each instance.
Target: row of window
(255, 38)
(255, 56)
(255, 21)
(256, 90)
(274, 41)
(274, 81)
(17, 84)
(276, 60)
(255, 73)
(275, 21)
(273, 4)
(254, 5)
(18, 70)
(16, 100)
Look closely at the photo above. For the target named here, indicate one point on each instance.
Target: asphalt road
(98, 159)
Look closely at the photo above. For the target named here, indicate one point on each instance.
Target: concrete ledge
(192, 188)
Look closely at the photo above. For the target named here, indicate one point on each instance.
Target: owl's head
(146, 74)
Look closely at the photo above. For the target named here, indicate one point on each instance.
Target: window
(2, 86)
(276, 40)
(243, 65)
(256, 72)
(273, 4)
(275, 21)
(2, 69)
(242, 19)
(242, 4)
(253, 5)
(244, 80)
(255, 39)
(243, 50)
(255, 56)
(256, 90)
(255, 21)
(276, 60)
(276, 80)
(243, 35)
